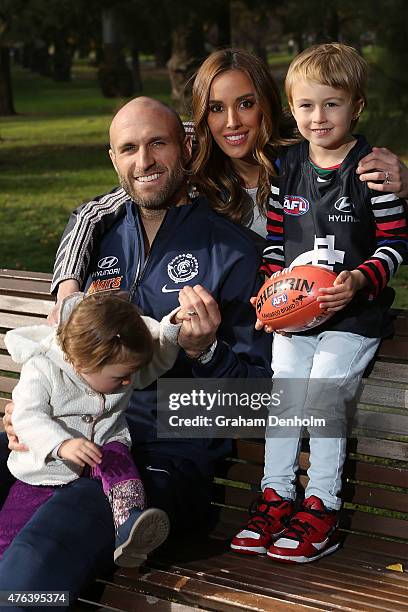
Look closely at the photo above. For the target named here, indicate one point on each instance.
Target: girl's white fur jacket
(52, 403)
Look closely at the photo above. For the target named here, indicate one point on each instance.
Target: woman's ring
(387, 178)
(192, 313)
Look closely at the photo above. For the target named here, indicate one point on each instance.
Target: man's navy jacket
(194, 245)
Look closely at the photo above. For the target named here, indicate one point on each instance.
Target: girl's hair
(213, 172)
(104, 329)
(333, 64)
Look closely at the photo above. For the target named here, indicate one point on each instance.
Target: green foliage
(53, 157)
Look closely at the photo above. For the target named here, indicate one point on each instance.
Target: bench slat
(390, 372)
(11, 321)
(374, 447)
(25, 275)
(21, 305)
(192, 591)
(354, 469)
(8, 365)
(331, 584)
(116, 597)
(390, 396)
(7, 384)
(394, 350)
(26, 288)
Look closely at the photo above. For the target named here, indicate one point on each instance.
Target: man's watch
(205, 356)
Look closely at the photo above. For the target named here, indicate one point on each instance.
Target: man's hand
(13, 442)
(344, 289)
(65, 288)
(381, 164)
(201, 318)
(80, 451)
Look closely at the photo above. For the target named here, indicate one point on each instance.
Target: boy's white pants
(342, 356)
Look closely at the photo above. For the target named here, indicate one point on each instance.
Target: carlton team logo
(295, 205)
(182, 268)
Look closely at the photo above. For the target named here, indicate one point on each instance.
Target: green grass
(53, 156)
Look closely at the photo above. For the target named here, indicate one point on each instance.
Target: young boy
(326, 217)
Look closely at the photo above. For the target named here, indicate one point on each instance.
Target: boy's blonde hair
(105, 329)
(332, 64)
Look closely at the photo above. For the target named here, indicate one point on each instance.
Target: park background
(66, 66)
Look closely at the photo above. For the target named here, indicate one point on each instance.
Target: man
(161, 247)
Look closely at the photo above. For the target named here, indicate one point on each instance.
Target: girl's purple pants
(120, 481)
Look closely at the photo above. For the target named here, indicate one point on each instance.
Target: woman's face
(234, 116)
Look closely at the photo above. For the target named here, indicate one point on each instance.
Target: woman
(239, 127)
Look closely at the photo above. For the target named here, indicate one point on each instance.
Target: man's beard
(163, 196)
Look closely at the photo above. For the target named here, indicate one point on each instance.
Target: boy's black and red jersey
(337, 222)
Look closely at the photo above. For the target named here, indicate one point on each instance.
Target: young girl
(75, 384)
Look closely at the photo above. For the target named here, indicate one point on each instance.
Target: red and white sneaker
(268, 517)
(311, 534)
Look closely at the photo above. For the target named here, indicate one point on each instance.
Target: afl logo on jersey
(295, 205)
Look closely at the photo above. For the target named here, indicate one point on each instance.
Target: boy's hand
(80, 451)
(260, 325)
(344, 289)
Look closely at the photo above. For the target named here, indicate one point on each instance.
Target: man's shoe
(268, 517)
(143, 531)
(311, 534)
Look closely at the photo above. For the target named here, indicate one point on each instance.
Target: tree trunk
(114, 76)
(137, 77)
(41, 59)
(6, 91)
(62, 60)
(187, 53)
(162, 52)
(224, 24)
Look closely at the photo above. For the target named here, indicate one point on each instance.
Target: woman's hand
(384, 166)
(201, 318)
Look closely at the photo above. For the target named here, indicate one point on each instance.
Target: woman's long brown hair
(213, 172)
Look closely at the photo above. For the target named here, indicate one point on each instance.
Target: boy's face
(323, 114)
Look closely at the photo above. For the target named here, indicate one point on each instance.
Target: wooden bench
(368, 573)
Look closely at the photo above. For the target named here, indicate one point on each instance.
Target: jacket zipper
(141, 269)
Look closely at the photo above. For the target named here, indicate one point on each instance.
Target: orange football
(287, 301)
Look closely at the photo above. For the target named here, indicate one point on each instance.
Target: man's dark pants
(70, 539)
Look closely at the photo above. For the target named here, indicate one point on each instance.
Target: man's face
(148, 157)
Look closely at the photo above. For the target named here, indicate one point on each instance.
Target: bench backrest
(376, 473)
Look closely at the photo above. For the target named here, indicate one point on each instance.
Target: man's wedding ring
(192, 313)
(387, 178)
